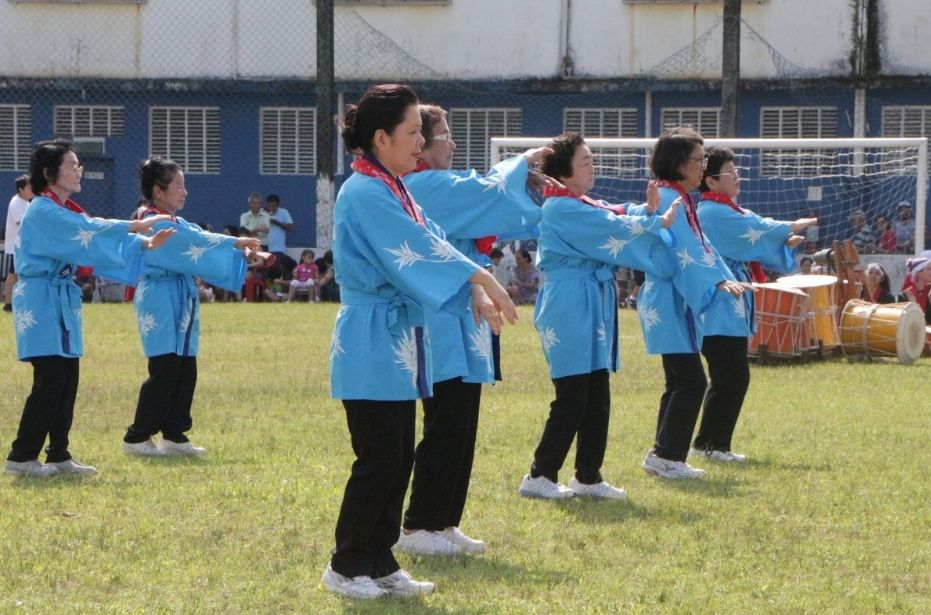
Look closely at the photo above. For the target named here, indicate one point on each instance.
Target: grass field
(831, 516)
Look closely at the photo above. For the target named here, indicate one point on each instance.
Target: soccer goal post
(831, 179)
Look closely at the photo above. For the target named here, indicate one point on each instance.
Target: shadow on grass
(451, 571)
(448, 573)
(778, 464)
(708, 485)
(392, 605)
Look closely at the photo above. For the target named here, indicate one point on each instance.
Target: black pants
(729, 372)
(165, 399)
(443, 460)
(382, 434)
(496, 356)
(580, 411)
(680, 404)
(49, 410)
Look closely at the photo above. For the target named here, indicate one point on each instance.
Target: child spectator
(305, 275)
(887, 239)
(327, 287)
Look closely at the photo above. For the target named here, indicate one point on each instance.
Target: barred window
(907, 121)
(706, 120)
(76, 121)
(288, 140)
(15, 137)
(794, 123)
(472, 130)
(188, 135)
(609, 123)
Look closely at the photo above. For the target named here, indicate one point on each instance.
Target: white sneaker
(360, 587)
(665, 468)
(543, 488)
(599, 491)
(72, 466)
(727, 456)
(28, 468)
(146, 448)
(400, 583)
(167, 447)
(469, 545)
(425, 542)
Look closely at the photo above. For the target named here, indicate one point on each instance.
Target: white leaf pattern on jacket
(22, 320)
(548, 338)
(405, 352)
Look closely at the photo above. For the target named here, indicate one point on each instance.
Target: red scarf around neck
(483, 245)
(369, 165)
(549, 191)
(921, 296)
(756, 269)
(691, 210)
(67, 204)
(70, 205)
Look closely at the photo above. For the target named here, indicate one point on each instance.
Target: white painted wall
(467, 39)
(904, 47)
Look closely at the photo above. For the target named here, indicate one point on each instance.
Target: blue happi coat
(670, 309)
(741, 238)
(579, 248)
(46, 302)
(469, 206)
(389, 269)
(167, 302)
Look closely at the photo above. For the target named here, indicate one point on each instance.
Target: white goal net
(831, 179)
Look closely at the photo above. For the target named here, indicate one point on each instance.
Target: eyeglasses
(734, 174)
(77, 168)
(703, 160)
(443, 136)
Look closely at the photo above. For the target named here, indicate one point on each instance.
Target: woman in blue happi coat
(670, 310)
(471, 209)
(582, 242)
(392, 263)
(55, 237)
(747, 243)
(167, 305)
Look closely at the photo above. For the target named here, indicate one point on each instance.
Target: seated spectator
(887, 240)
(499, 267)
(86, 280)
(904, 228)
(232, 230)
(805, 265)
(258, 265)
(205, 291)
(305, 275)
(918, 283)
(327, 287)
(876, 285)
(864, 239)
(525, 279)
(276, 290)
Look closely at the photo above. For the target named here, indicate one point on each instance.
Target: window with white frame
(287, 137)
(610, 122)
(188, 135)
(92, 121)
(15, 137)
(795, 123)
(907, 121)
(473, 128)
(706, 120)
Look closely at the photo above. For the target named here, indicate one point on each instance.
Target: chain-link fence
(227, 89)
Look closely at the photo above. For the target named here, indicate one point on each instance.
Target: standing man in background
(256, 220)
(14, 216)
(280, 223)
